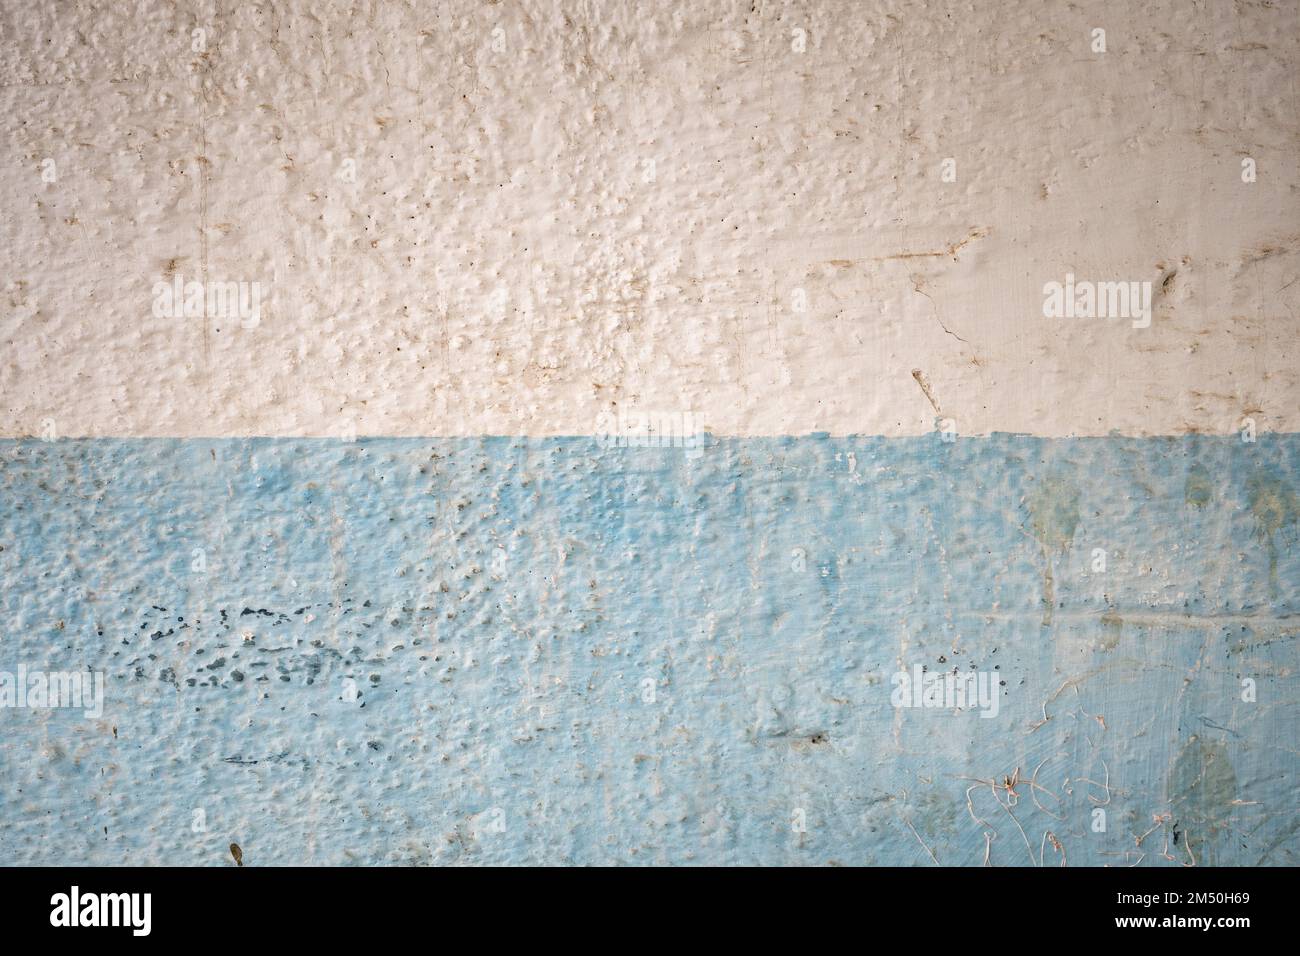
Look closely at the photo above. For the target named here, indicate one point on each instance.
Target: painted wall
(623, 399)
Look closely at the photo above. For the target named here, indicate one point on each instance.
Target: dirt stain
(924, 382)
(1202, 786)
(1053, 517)
(1275, 508)
(1112, 630)
(1198, 490)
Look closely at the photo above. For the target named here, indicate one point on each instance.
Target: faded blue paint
(502, 716)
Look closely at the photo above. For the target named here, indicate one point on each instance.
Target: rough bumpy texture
(821, 233)
(566, 652)
(506, 218)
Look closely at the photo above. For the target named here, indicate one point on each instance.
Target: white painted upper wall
(564, 209)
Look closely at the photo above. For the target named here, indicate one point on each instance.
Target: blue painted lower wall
(502, 650)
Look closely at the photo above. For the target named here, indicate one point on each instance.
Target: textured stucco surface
(501, 602)
(539, 221)
(502, 265)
